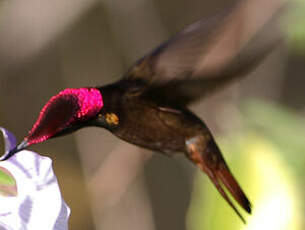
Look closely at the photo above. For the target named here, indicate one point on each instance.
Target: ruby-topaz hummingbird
(148, 105)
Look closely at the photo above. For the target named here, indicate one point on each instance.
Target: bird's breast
(153, 127)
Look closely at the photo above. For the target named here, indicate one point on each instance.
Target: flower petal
(9, 140)
(39, 204)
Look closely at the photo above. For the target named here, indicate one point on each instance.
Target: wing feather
(204, 56)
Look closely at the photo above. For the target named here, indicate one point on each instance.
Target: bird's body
(148, 105)
(147, 123)
(167, 129)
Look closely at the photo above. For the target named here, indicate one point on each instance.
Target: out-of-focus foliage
(7, 181)
(267, 159)
(5, 178)
(283, 127)
(294, 25)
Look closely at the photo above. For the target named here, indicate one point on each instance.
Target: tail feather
(210, 161)
(215, 181)
(233, 187)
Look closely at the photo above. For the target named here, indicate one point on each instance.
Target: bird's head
(64, 113)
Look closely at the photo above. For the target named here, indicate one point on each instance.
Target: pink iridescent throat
(69, 107)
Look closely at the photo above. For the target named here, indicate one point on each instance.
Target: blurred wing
(204, 56)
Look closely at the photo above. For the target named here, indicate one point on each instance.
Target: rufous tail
(209, 159)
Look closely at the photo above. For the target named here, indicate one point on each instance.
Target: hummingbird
(148, 106)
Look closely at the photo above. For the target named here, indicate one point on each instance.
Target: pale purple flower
(38, 204)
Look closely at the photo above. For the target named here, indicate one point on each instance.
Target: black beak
(15, 150)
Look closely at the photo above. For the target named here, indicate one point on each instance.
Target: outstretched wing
(204, 56)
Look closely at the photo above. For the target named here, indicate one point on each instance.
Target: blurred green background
(46, 46)
(269, 162)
